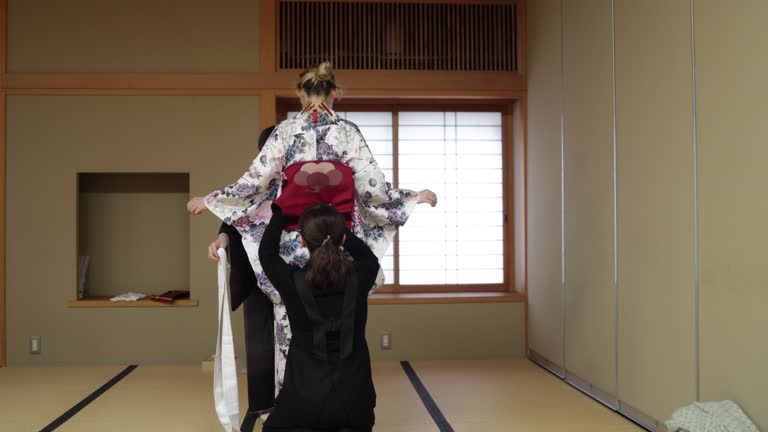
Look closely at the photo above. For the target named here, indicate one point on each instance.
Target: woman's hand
(196, 206)
(427, 196)
(222, 241)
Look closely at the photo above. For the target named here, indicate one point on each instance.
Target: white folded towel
(128, 297)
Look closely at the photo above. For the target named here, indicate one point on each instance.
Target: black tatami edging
(426, 398)
(90, 398)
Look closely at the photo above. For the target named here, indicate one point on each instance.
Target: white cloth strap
(224, 370)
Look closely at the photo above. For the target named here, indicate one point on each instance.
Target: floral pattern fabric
(246, 204)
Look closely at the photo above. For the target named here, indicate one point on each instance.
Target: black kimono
(328, 385)
(258, 317)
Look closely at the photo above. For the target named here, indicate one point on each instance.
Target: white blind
(458, 155)
(376, 128)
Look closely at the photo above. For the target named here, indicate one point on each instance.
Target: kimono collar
(315, 108)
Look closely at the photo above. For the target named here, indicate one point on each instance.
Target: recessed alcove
(134, 229)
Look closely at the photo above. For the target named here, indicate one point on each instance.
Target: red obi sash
(316, 182)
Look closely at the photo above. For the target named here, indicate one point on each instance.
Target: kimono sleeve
(246, 202)
(381, 207)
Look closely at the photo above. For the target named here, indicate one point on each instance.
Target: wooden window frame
(506, 108)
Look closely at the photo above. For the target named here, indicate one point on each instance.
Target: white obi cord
(224, 371)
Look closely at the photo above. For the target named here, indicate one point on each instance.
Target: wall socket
(35, 345)
(386, 340)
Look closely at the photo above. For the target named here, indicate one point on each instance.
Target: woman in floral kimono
(315, 134)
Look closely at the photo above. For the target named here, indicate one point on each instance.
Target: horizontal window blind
(458, 155)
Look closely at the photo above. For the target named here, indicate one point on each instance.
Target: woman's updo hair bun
(317, 81)
(323, 72)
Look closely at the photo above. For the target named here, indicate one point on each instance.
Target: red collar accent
(322, 106)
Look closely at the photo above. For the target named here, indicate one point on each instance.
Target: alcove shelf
(134, 229)
(101, 302)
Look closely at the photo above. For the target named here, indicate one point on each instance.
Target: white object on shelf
(129, 297)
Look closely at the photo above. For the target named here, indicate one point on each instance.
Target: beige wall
(545, 300)
(656, 205)
(117, 214)
(732, 135)
(590, 342)
(448, 331)
(133, 36)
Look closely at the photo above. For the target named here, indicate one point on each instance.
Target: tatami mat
(486, 396)
(491, 396)
(155, 398)
(398, 406)
(31, 398)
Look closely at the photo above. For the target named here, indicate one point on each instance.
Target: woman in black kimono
(258, 318)
(328, 385)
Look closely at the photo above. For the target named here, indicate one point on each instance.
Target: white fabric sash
(224, 370)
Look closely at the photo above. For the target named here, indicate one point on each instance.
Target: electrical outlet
(35, 345)
(386, 341)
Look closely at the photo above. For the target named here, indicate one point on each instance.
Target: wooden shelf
(102, 302)
(375, 299)
(427, 298)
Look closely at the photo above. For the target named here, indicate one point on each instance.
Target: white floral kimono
(246, 204)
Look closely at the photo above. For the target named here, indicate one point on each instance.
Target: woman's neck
(317, 101)
(317, 105)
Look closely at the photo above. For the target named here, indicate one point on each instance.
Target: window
(459, 154)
